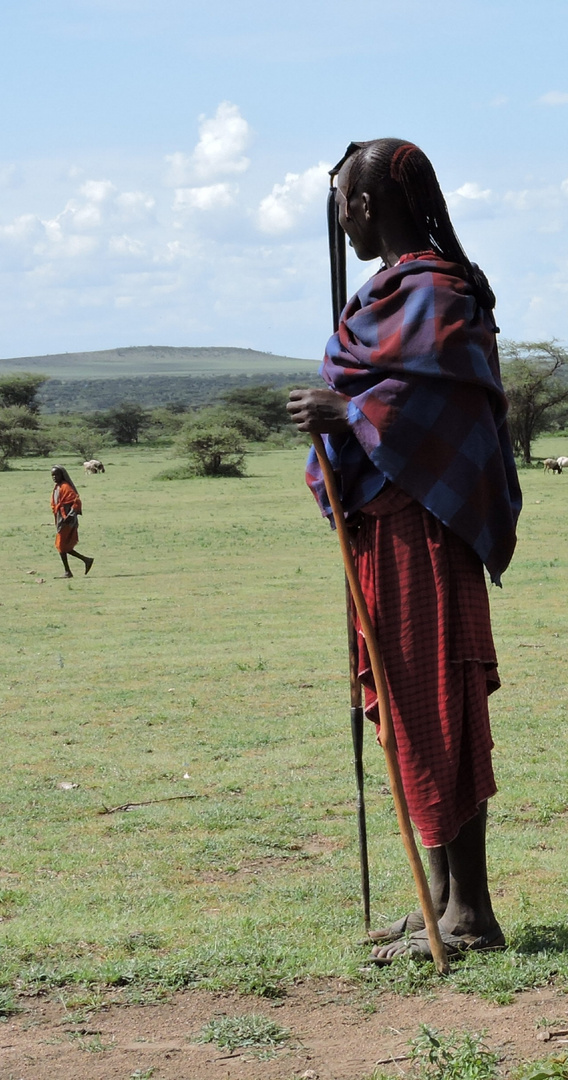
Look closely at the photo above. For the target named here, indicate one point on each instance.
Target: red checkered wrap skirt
(427, 598)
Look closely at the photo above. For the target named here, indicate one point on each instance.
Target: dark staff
(337, 262)
(388, 742)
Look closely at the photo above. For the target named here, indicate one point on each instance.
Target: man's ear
(366, 204)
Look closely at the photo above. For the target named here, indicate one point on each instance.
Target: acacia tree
(21, 390)
(20, 430)
(124, 423)
(265, 403)
(535, 377)
(247, 424)
(20, 434)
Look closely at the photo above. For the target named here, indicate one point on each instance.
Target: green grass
(552, 1068)
(250, 1031)
(205, 656)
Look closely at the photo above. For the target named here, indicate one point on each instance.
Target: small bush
(182, 472)
(452, 1057)
(252, 1030)
(214, 447)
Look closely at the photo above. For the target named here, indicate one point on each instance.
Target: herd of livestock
(555, 465)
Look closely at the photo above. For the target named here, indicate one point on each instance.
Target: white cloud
(97, 191)
(85, 217)
(471, 190)
(126, 245)
(65, 246)
(18, 242)
(222, 143)
(174, 252)
(470, 201)
(288, 203)
(25, 227)
(107, 261)
(134, 205)
(554, 97)
(179, 171)
(519, 200)
(220, 150)
(211, 197)
(543, 199)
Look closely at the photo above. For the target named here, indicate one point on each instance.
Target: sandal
(417, 945)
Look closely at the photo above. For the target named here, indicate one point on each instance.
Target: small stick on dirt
(146, 802)
(544, 1036)
(390, 1058)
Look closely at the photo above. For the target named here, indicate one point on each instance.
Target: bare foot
(88, 564)
(407, 925)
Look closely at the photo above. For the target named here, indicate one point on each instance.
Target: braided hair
(400, 168)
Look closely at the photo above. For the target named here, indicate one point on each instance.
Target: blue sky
(163, 164)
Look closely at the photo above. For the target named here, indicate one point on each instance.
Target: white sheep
(93, 466)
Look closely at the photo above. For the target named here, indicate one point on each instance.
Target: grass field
(204, 657)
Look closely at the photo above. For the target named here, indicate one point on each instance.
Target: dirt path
(332, 1036)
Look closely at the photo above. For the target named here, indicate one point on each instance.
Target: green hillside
(151, 391)
(145, 360)
(155, 375)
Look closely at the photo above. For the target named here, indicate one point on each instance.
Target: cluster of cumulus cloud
(191, 186)
(201, 254)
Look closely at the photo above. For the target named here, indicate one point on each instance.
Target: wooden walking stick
(355, 595)
(338, 300)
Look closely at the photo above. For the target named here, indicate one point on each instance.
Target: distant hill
(155, 375)
(137, 361)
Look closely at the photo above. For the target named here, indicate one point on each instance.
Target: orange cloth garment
(64, 498)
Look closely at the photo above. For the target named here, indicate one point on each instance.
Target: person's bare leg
(469, 910)
(84, 559)
(439, 879)
(65, 562)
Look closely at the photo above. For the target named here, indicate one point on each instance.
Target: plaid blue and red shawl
(417, 358)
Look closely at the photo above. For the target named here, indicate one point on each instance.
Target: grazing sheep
(93, 466)
(551, 464)
(563, 462)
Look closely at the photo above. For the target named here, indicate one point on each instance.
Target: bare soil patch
(333, 1035)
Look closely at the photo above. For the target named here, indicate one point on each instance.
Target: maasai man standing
(66, 505)
(416, 432)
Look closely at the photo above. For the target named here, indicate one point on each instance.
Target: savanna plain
(178, 844)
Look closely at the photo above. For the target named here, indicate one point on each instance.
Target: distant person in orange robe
(66, 505)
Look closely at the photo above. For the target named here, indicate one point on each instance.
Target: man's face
(355, 218)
